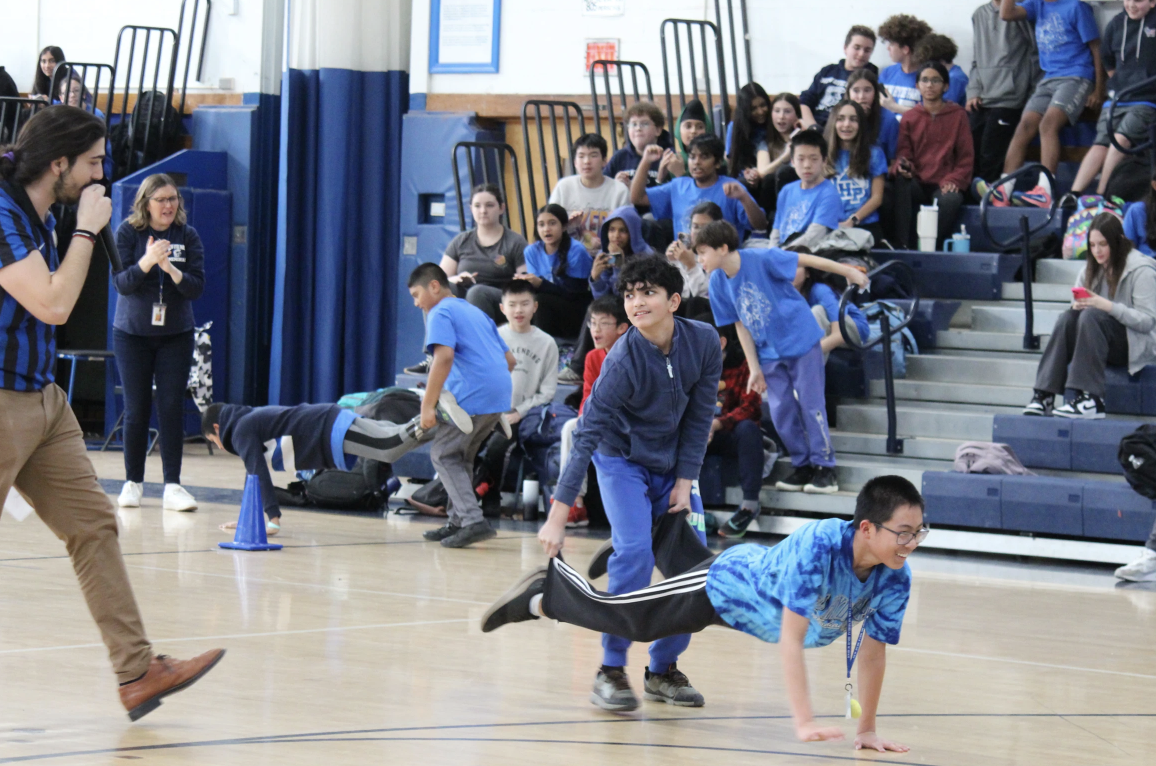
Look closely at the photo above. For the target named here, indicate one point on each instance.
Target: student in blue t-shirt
(810, 208)
(1139, 225)
(941, 48)
(804, 593)
(558, 266)
(474, 363)
(824, 303)
(674, 200)
(902, 33)
(859, 168)
(754, 290)
(1069, 43)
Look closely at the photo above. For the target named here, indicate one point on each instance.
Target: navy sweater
(827, 89)
(313, 431)
(651, 408)
(138, 291)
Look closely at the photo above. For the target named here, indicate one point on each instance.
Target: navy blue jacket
(651, 408)
(138, 291)
(827, 89)
(627, 158)
(314, 431)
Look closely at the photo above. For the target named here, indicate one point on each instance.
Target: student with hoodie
(830, 84)
(693, 121)
(643, 125)
(1129, 59)
(997, 88)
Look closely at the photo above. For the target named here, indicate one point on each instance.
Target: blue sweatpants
(634, 497)
(801, 422)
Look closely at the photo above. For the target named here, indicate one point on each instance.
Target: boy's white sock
(536, 605)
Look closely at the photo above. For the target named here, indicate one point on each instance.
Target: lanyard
(852, 707)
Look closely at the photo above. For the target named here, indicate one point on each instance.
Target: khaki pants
(42, 453)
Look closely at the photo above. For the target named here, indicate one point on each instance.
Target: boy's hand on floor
(869, 740)
(814, 732)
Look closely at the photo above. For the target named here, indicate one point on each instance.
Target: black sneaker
(823, 482)
(671, 687)
(514, 604)
(598, 562)
(441, 533)
(421, 368)
(736, 525)
(470, 534)
(797, 480)
(612, 690)
(1084, 407)
(1041, 404)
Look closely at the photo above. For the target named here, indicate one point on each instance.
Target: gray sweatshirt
(1133, 306)
(535, 375)
(1006, 65)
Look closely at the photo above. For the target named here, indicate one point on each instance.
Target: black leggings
(562, 316)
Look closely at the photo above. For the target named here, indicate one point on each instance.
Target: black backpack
(1137, 457)
(127, 139)
(362, 489)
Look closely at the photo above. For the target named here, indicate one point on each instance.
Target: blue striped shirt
(27, 345)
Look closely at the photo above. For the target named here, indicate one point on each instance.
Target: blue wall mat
(415, 464)
(1037, 442)
(962, 276)
(1005, 224)
(1116, 512)
(1095, 444)
(428, 138)
(1043, 504)
(1122, 394)
(1147, 378)
(962, 499)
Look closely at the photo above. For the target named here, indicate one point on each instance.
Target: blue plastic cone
(251, 522)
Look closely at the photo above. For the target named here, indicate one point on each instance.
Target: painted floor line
(1024, 662)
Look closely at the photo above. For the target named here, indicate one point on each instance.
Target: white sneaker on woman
(130, 495)
(1142, 569)
(177, 498)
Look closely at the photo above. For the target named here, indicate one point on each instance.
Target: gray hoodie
(1006, 66)
(1134, 306)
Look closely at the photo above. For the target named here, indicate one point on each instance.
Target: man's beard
(64, 192)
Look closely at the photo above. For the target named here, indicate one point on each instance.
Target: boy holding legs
(472, 361)
(830, 84)
(808, 209)
(589, 196)
(805, 592)
(645, 426)
(755, 291)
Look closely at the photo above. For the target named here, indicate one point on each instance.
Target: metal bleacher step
(940, 420)
(848, 443)
(1056, 271)
(841, 503)
(951, 368)
(1009, 316)
(1041, 291)
(974, 340)
(947, 391)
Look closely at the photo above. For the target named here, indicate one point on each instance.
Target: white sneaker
(177, 498)
(452, 412)
(130, 495)
(1142, 569)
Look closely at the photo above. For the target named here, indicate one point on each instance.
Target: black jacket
(1129, 48)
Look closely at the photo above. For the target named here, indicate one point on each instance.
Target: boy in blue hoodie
(645, 426)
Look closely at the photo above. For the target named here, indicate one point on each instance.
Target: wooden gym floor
(358, 643)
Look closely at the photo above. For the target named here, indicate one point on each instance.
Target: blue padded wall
(1095, 444)
(1038, 442)
(962, 276)
(963, 499)
(1043, 504)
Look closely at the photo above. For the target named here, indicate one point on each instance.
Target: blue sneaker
(1037, 197)
(998, 196)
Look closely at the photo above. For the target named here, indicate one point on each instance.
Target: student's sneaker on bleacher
(1083, 407)
(612, 690)
(998, 196)
(671, 687)
(569, 378)
(441, 533)
(514, 604)
(449, 411)
(421, 368)
(1037, 197)
(577, 517)
(1042, 404)
(736, 525)
(1142, 569)
(823, 482)
(596, 567)
(797, 480)
(470, 534)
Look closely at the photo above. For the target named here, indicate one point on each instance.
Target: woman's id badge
(159, 314)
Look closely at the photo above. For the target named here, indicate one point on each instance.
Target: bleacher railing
(188, 40)
(14, 114)
(95, 79)
(706, 52)
(488, 158)
(556, 110)
(1023, 240)
(887, 335)
(746, 39)
(603, 67)
(156, 53)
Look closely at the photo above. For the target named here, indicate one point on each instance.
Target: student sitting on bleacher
(937, 47)
(858, 168)
(680, 253)
(589, 196)
(816, 289)
(1112, 321)
(558, 267)
(902, 32)
(1129, 60)
(810, 208)
(863, 88)
(746, 146)
(1140, 221)
(775, 163)
(693, 121)
(643, 125)
(830, 84)
(935, 159)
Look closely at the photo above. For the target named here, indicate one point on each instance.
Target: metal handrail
(566, 107)
(1023, 241)
(483, 147)
(746, 35)
(14, 114)
(887, 332)
(720, 61)
(189, 46)
(605, 64)
(163, 34)
(81, 70)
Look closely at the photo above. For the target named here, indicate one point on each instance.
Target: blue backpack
(901, 344)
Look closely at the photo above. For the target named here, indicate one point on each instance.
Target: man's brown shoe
(165, 676)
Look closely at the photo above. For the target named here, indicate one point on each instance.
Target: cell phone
(684, 238)
(1080, 293)
(612, 258)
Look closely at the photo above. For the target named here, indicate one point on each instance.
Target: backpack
(1131, 179)
(395, 405)
(542, 426)
(201, 373)
(1137, 457)
(901, 344)
(988, 457)
(127, 138)
(1087, 207)
(362, 489)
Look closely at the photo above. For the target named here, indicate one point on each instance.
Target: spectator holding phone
(1112, 321)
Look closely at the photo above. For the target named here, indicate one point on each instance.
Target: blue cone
(251, 523)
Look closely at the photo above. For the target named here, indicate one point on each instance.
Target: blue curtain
(337, 248)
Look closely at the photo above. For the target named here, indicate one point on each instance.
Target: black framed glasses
(905, 538)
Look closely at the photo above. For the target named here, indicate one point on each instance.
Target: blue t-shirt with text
(798, 208)
(675, 199)
(902, 86)
(854, 192)
(1063, 30)
(480, 378)
(810, 573)
(763, 297)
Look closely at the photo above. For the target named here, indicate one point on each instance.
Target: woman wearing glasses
(153, 331)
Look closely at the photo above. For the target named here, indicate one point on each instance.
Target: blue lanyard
(851, 655)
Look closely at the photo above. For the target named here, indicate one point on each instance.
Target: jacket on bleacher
(1133, 306)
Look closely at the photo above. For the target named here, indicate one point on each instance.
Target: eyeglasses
(905, 538)
(930, 81)
(164, 200)
(606, 325)
(640, 125)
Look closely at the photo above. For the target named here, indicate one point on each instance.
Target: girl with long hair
(46, 63)
(857, 166)
(558, 267)
(863, 88)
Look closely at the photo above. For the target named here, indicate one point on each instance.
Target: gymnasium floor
(358, 643)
